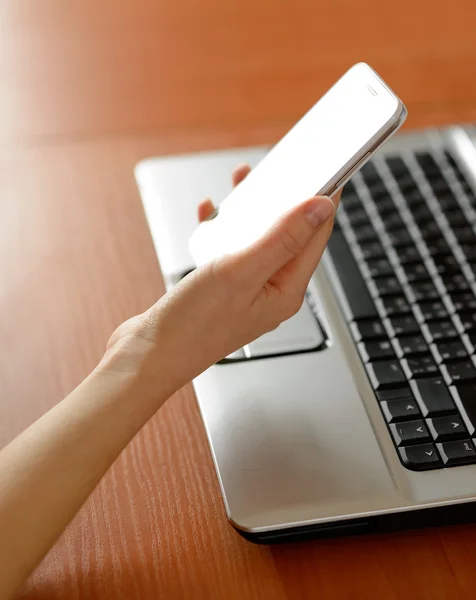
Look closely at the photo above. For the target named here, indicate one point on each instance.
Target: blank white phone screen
(324, 142)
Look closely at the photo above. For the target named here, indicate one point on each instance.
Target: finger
(239, 174)
(205, 210)
(336, 199)
(286, 239)
(298, 272)
(295, 276)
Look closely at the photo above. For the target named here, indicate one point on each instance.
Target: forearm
(47, 473)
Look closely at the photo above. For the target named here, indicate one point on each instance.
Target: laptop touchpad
(300, 333)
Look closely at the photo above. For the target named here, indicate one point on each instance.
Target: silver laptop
(359, 413)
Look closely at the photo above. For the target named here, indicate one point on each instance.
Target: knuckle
(292, 305)
(223, 270)
(291, 243)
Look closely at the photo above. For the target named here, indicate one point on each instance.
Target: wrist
(141, 369)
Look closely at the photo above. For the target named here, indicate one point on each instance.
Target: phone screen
(344, 125)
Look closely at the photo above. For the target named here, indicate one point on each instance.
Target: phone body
(317, 156)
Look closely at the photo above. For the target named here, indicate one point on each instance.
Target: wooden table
(88, 88)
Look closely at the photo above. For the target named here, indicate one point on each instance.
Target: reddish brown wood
(89, 68)
(86, 90)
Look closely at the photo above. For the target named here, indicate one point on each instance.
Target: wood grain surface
(87, 89)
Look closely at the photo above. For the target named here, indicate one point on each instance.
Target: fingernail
(320, 210)
(212, 215)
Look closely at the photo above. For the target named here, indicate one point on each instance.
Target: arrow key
(457, 453)
(400, 410)
(444, 429)
(410, 432)
(420, 458)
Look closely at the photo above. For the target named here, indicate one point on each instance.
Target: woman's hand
(228, 303)
(48, 471)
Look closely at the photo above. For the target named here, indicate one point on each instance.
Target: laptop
(358, 414)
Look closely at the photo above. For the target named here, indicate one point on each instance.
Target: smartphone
(320, 153)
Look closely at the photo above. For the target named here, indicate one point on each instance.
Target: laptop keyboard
(404, 249)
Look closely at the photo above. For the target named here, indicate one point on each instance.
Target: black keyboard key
(465, 398)
(467, 188)
(421, 213)
(455, 282)
(457, 453)
(469, 192)
(414, 198)
(410, 432)
(421, 366)
(433, 397)
(398, 326)
(438, 247)
(409, 346)
(451, 161)
(394, 221)
(365, 233)
(394, 394)
(446, 265)
(422, 457)
(378, 350)
(416, 272)
(438, 183)
(456, 217)
(440, 188)
(370, 173)
(447, 201)
(400, 410)
(357, 216)
(350, 201)
(349, 188)
(427, 164)
(392, 306)
(385, 205)
(450, 351)
(370, 250)
(430, 230)
(463, 301)
(386, 374)
(359, 303)
(458, 372)
(437, 331)
(378, 191)
(387, 286)
(467, 321)
(423, 290)
(434, 310)
(400, 237)
(397, 166)
(350, 195)
(408, 254)
(407, 186)
(380, 267)
(445, 429)
(367, 330)
(464, 235)
(469, 250)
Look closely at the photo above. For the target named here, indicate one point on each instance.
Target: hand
(212, 312)
(226, 304)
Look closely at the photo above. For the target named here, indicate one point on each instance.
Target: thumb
(288, 237)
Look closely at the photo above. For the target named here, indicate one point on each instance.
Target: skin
(48, 471)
